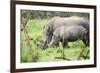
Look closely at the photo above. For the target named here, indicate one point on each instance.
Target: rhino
(70, 33)
(57, 21)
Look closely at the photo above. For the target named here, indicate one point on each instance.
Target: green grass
(31, 52)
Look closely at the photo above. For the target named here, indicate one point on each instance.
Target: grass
(31, 50)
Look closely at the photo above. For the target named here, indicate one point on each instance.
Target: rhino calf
(70, 33)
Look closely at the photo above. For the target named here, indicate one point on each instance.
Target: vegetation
(32, 23)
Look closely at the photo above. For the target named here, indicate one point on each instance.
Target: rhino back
(75, 20)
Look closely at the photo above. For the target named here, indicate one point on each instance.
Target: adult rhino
(57, 21)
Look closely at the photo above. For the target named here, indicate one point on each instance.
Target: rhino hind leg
(86, 42)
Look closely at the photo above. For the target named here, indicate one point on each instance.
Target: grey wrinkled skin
(70, 33)
(57, 21)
